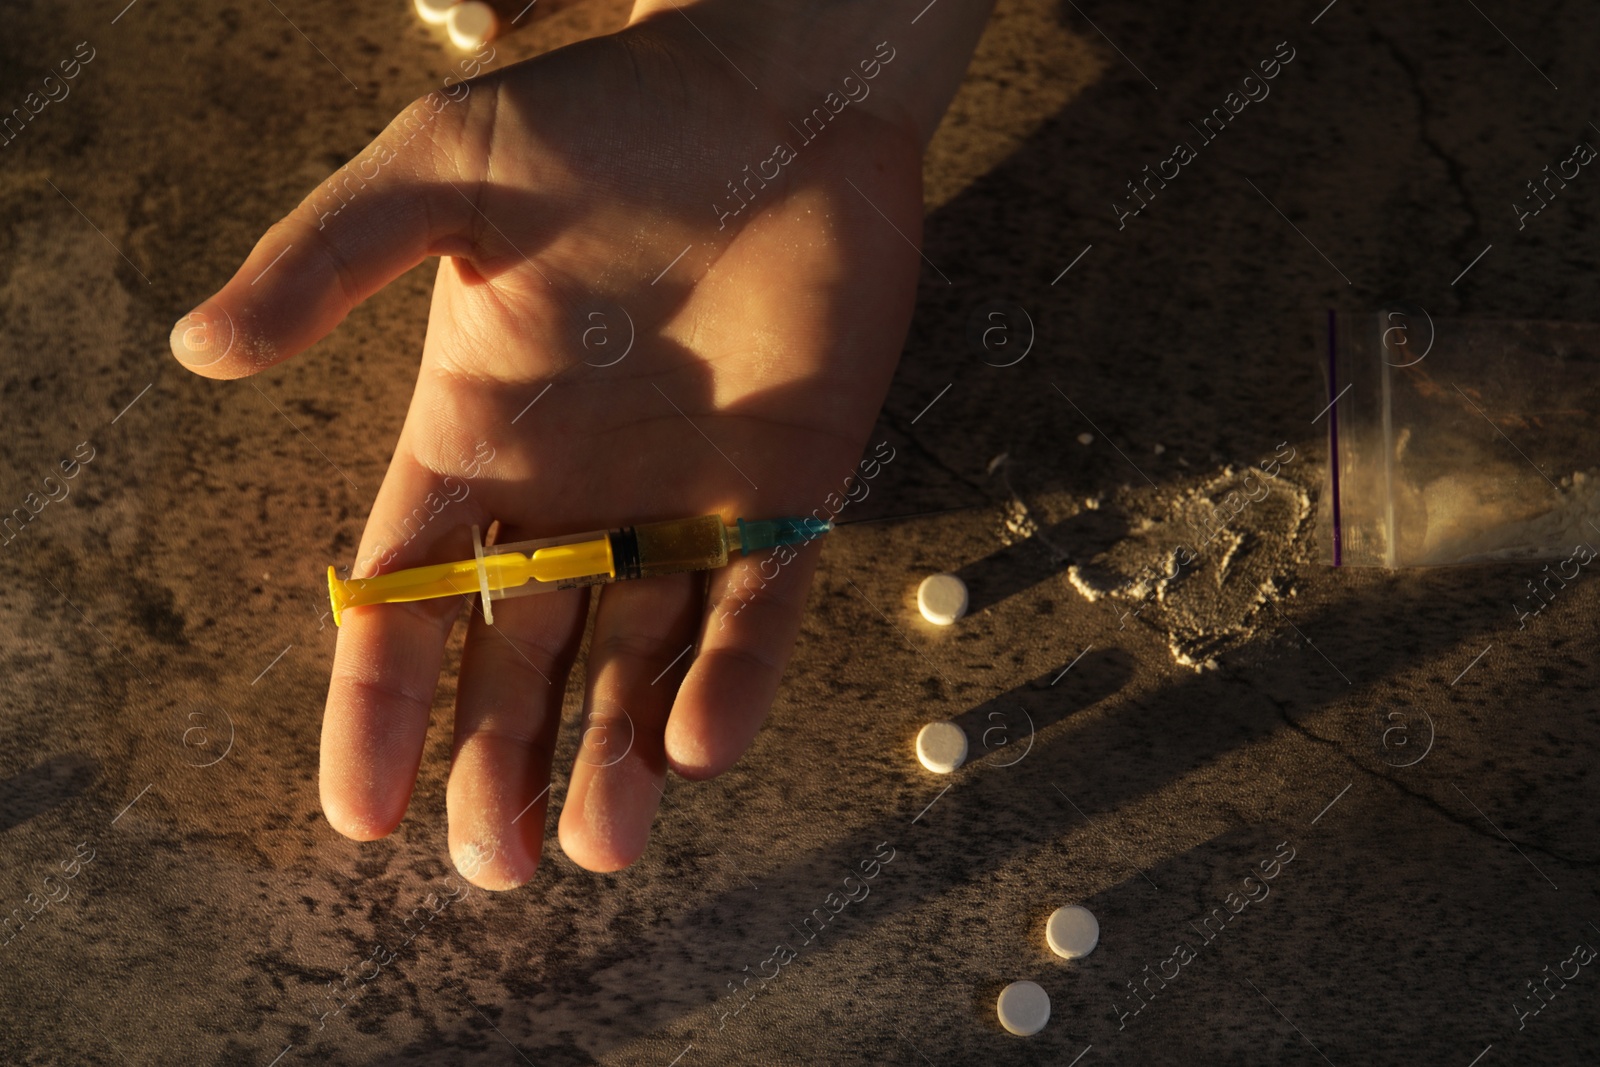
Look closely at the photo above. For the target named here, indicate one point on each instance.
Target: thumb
(397, 202)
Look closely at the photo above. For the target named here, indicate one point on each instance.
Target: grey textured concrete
(199, 906)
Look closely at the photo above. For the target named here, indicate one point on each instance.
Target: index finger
(386, 666)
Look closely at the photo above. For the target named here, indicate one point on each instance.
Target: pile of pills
(470, 23)
(942, 746)
(1072, 932)
(1024, 1007)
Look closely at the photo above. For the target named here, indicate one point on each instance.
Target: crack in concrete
(1470, 824)
(1453, 168)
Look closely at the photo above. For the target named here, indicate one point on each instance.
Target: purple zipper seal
(1333, 437)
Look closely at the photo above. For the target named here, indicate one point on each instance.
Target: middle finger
(508, 708)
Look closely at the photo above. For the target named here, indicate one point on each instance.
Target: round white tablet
(472, 25)
(1023, 1008)
(434, 12)
(942, 747)
(1072, 931)
(942, 598)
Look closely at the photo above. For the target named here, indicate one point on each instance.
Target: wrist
(795, 53)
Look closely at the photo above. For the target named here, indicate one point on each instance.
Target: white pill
(434, 12)
(1086, 438)
(942, 598)
(1023, 1008)
(1072, 931)
(942, 747)
(472, 25)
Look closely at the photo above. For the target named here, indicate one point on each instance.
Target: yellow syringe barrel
(551, 565)
(646, 550)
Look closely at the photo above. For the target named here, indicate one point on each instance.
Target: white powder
(1018, 524)
(1091, 589)
(1250, 555)
(1470, 519)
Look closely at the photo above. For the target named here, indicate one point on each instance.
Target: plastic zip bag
(1459, 440)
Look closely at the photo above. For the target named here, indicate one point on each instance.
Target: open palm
(610, 342)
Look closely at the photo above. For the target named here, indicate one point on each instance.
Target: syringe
(523, 567)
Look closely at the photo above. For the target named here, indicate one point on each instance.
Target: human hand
(584, 181)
